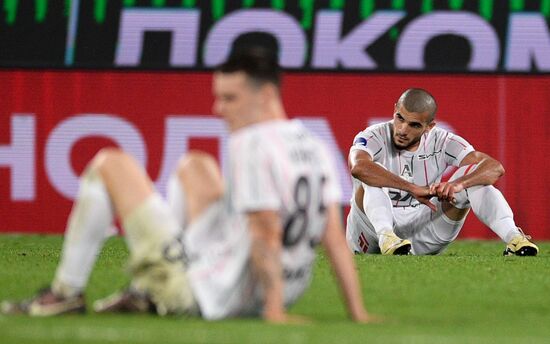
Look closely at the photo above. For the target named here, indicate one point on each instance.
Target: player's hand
(446, 191)
(284, 318)
(423, 194)
(366, 318)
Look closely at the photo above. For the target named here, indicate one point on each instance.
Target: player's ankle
(64, 290)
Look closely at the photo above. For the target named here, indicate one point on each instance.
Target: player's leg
(154, 237)
(112, 181)
(216, 239)
(432, 232)
(491, 208)
(376, 204)
(360, 235)
(195, 186)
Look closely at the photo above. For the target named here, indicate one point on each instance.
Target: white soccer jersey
(276, 165)
(437, 150)
(280, 165)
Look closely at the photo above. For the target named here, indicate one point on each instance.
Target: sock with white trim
(87, 228)
(378, 208)
(175, 197)
(489, 205)
(491, 208)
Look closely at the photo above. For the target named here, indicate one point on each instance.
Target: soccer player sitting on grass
(216, 249)
(400, 205)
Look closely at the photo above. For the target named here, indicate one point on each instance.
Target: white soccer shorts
(430, 232)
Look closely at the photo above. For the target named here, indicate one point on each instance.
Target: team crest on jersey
(406, 173)
(360, 141)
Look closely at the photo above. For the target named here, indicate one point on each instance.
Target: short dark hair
(258, 63)
(418, 100)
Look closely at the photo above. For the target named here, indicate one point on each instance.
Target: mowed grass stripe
(470, 294)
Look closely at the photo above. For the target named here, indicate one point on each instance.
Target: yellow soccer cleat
(521, 245)
(391, 244)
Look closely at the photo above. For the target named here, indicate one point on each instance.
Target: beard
(406, 145)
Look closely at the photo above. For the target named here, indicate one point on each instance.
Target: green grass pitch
(470, 294)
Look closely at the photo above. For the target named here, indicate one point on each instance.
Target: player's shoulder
(250, 140)
(441, 137)
(379, 131)
(440, 133)
(378, 126)
(257, 132)
(266, 135)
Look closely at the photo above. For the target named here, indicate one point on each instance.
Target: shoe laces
(386, 236)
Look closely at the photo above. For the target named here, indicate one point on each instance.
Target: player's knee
(500, 170)
(110, 158)
(199, 171)
(198, 162)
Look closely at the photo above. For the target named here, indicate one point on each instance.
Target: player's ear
(431, 125)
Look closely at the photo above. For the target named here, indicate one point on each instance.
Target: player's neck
(273, 112)
(413, 148)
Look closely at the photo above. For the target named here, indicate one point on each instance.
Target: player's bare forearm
(267, 269)
(266, 261)
(343, 265)
(363, 168)
(488, 170)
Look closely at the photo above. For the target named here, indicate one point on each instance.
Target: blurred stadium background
(76, 76)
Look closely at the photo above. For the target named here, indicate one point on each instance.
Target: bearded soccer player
(219, 248)
(401, 206)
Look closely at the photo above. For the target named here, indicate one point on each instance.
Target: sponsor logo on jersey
(427, 156)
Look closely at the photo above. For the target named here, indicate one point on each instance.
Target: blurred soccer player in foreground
(243, 246)
(400, 205)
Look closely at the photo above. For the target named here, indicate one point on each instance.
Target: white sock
(148, 228)
(175, 197)
(87, 228)
(378, 208)
(491, 208)
(489, 205)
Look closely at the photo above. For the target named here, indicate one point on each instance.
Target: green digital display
(90, 34)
